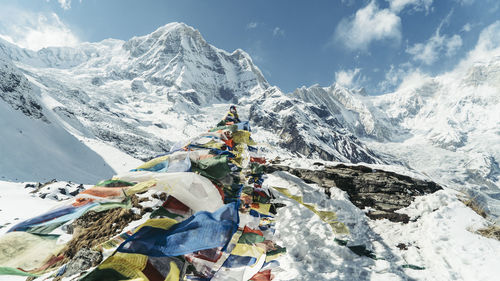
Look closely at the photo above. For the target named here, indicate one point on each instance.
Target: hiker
(232, 115)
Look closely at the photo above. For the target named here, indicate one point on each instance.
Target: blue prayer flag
(203, 230)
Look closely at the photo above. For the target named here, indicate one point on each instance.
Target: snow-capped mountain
(307, 128)
(446, 127)
(145, 94)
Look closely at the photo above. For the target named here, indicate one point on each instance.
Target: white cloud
(368, 24)
(430, 51)
(453, 45)
(35, 30)
(394, 76)
(418, 5)
(65, 4)
(467, 27)
(347, 78)
(348, 2)
(252, 25)
(487, 47)
(413, 79)
(465, 2)
(405, 76)
(278, 32)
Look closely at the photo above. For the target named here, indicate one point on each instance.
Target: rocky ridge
(380, 193)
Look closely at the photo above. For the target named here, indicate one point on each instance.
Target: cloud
(428, 52)
(346, 78)
(418, 5)
(487, 47)
(348, 3)
(413, 79)
(65, 4)
(368, 24)
(453, 44)
(34, 30)
(467, 27)
(394, 76)
(465, 2)
(278, 32)
(252, 25)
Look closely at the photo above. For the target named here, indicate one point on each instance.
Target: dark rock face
(83, 260)
(16, 91)
(308, 130)
(383, 191)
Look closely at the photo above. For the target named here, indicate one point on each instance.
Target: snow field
(441, 240)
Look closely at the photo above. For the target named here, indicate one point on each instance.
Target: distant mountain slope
(33, 146)
(145, 94)
(447, 127)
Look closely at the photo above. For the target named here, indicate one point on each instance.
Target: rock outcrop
(383, 192)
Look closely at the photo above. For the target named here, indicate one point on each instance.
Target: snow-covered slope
(446, 127)
(35, 146)
(145, 94)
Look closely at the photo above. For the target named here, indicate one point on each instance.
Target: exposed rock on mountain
(381, 191)
(308, 129)
(17, 91)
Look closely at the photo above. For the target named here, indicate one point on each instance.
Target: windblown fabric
(244, 125)
(24, 250)
(243, 263)
(173, 163)
(193, 190)
(327, 216)
(214, 168)
(203, 230)
(46, 223)
(242, 136)
(49, 216)
(122, 266)
(114, 183)
(197, 224)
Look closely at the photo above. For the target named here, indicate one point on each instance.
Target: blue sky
(373, 44)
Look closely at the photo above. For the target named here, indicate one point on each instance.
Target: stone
(84, 259)
(384, 192)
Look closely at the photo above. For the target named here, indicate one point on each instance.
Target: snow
(18, 204)
(34, 150)
(441, 239)
(119, 161)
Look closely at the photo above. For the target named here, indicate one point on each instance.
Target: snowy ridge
(308, 129)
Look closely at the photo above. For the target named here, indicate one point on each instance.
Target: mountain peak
(176, 28)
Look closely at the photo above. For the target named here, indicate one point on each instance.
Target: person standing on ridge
(232, 115)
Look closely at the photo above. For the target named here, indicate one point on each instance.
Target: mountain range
(60, 107)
